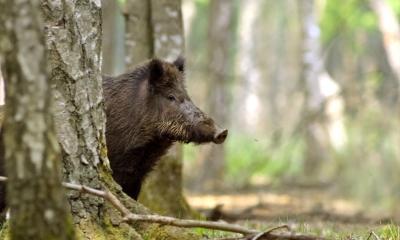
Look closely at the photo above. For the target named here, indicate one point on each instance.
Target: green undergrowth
(329, 231)
(250, 160)
(368, 166)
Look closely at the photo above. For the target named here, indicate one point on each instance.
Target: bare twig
(128, 216)
(189, 223)
(262, 234)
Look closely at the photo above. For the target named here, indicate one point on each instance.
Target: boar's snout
(220, 135)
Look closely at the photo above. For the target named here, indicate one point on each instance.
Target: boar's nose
(220, 135)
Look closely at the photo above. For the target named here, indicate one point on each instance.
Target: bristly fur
(143, 121)
(142, 124)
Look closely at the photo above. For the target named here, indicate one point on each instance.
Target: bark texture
(138, 32)
(155, 29)
(74, 45)
(163, 189)
(73, 32)
(36, 199)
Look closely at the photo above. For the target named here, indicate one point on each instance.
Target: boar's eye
(171, 98)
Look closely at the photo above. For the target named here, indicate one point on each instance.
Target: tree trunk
(390, 29)
(220, 22)
(138, 32)
(74, 44)
(2, 92)
(248, 100)
(163, 189)
(324, 127)
(33, 162)
(112, 44)
(154, 29)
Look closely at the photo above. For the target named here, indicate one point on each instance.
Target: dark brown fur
(147, 110)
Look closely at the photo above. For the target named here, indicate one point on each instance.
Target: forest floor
(311, 210)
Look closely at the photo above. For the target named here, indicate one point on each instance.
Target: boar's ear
(180, 63)
(156, 70)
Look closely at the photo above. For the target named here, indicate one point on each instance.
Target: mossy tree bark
(155, 29)
(38, 207)
(74, 45)
(73, 32)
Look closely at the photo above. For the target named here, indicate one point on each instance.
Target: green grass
(328, 231)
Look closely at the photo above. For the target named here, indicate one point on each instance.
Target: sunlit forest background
(309, 93)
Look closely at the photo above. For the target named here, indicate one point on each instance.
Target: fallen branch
(128, 216)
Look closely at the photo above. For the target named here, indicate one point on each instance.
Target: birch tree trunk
(390, 28)
(220, 23)
(324, 127)
(138, 32)
(154, 28)
(38, 207)
(248, 101)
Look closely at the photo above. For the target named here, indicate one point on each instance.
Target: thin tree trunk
(324, 128)
(33, 162)
(390, 28)
(212, 160)
(155, 29)
(163, 189)
(248, 101)
(112, 44)
(138, 32)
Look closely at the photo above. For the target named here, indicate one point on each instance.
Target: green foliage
(372, 149)
(347, 17)
(248, 158)
(395, 4)
(202, 2)
(121, 2)
(199, 31)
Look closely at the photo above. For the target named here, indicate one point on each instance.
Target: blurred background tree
(308, 89)
(211, 160)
